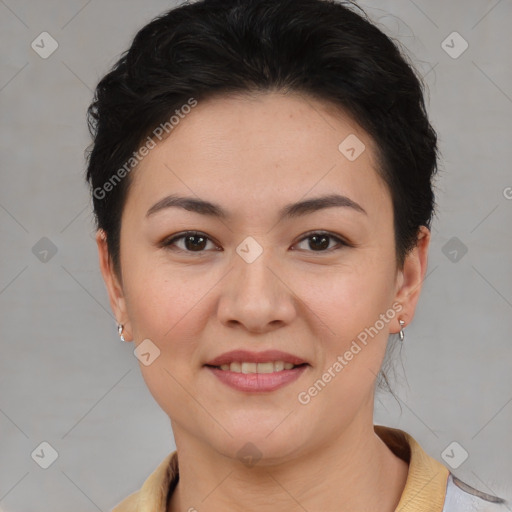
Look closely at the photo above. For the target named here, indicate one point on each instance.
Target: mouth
(246, 361)
(256, 371)
(255, 382)
(247, 367)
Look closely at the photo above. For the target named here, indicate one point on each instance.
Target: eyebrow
(293, 210)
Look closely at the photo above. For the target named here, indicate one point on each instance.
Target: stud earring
(401, 333)
(120, 331)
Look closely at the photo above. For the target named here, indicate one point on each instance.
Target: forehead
(258, 148)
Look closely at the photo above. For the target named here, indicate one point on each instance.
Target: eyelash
(167, 243)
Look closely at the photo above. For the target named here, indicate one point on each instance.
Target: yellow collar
(425, 488)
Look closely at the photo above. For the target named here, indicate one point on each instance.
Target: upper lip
(241, 356)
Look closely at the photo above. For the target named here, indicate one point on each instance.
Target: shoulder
(431, 486)
(461, 497)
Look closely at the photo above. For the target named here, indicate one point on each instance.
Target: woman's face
(258, 279)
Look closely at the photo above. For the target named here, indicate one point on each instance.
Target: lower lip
(257, 381)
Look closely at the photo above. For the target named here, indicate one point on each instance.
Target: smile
(248, 367)
(257, 377)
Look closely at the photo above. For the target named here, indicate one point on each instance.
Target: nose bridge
(255, 297)
(252, 273)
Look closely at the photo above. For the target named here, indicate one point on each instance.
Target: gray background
(67, 379)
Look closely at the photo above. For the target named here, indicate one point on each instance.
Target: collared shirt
(430, 486)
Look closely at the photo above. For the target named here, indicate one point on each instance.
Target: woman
(262, 182)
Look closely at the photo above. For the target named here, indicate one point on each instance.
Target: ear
(410, 277)
(114, 287)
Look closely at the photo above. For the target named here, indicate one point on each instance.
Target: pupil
(324, 244)
(200, 245)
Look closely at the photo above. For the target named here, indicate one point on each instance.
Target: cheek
(164, 305)
(167, 310)
(346, 304)
(349, 298)
(351, 340)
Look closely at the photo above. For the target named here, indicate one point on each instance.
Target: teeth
(269, 367)
(249, 367)
(265, 367)
(278, 366)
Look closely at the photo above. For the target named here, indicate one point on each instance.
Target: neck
(354, 471)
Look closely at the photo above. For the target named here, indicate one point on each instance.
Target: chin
(269, 442)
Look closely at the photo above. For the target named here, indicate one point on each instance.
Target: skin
(253, 155)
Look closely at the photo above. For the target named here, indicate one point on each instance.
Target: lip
(257, 382)
(240, 356)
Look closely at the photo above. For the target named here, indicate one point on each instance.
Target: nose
(256, 296)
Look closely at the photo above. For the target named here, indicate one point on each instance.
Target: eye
(193, 241)
(319, 241)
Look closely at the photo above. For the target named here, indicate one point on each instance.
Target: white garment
(460, 497)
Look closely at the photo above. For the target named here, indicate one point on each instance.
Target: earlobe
(411, 277)
(114, 288)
